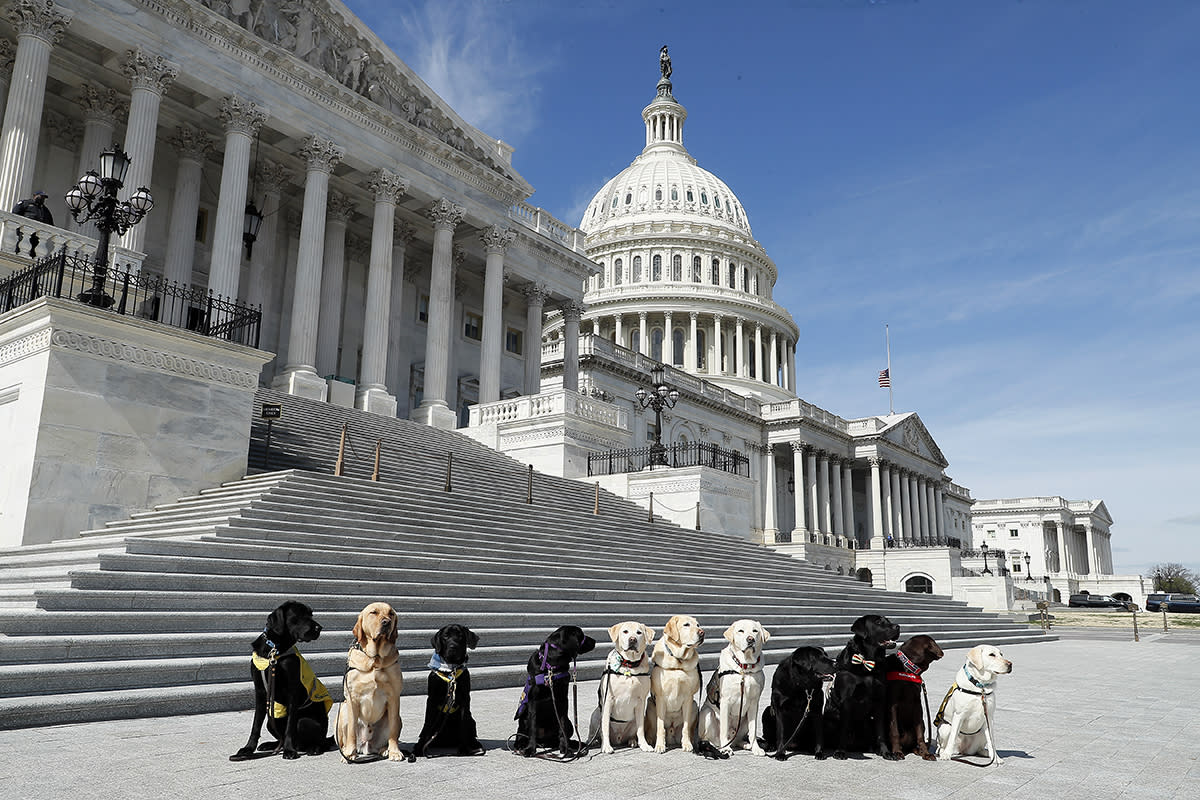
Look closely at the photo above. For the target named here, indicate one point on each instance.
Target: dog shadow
(1013, 754)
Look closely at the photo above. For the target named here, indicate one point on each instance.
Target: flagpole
(887, 338)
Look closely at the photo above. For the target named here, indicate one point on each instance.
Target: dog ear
(859, 628)
(359, 635)
(395, 627)
(975, 657)
(436, 639)
(729, 632)
(472, 639)
(766, 634)
(614, 631)
(649, 634)
(276, 621)
(671, 629)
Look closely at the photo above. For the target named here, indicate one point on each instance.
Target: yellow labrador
(674, 681)
(368, 720)
(729, 716)
(965, 720)
(624, 688)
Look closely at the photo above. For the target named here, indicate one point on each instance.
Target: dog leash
(807, 707)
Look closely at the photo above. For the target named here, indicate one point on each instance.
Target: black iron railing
(136, 295)
(683, 454)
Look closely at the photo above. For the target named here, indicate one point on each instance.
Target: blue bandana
(439, 664)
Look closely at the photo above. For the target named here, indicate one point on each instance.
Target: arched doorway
(918, 584)
(863, 574)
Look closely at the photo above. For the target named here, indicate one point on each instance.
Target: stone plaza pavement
(1092, 716)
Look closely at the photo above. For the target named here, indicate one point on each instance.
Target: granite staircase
(154, 615)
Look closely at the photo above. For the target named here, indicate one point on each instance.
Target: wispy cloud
(469, 52)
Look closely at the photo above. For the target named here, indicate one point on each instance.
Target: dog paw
(840, 755)
(397, 755)
(780, 756)
(758, 751)
(660, 748)
(998, 761)
(929, 757)
(291, 754)
(244, 754)
(726, 751)
(822, 756)
(607, 748)
(943, 757)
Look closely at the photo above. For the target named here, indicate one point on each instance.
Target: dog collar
(745, 667)
(985, 687)
(439, 664)
(619, 665)
(909, 666)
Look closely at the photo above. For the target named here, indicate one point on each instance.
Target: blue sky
(1014, 187)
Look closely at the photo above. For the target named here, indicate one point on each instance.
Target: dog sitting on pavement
(448, 720)
(904, 684)
(964, 721)
(542, 714)
(287, 694)
(857, 703)
(368, 720)
(674, 680)
(729, 715)
(624, 689)
(795, 719)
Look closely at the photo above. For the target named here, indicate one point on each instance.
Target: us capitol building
(299, 166)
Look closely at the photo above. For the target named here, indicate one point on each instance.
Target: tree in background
(1174, 578)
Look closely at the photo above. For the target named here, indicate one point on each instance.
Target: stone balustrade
(17, 249)
(548, 404)
(790, 409)
(543, 222)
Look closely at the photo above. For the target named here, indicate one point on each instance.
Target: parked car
(1096, 601)
(1185, 603)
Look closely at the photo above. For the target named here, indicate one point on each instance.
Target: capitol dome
(681, 278)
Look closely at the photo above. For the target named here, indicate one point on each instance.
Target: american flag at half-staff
(885, 375)
(885, 380)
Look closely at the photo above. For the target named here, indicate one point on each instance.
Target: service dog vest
(317, 693)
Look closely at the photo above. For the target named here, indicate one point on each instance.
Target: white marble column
(835, 496)
(738, 366)
(643, 339)
(491, 347)
(887, 510)
(848, 501)
(875, 495)
(693, 350)
(399, 361)
(40, 26)
(914, 505)
(1064, 565)
(241, 119)
(901, 505)
(270, 180)
(718, 359)
(801, 528)
(823, 516)
(338, 212)
(758, 368)
(810, 487)
(300, 377)
(792, 368)
(922, 510)
(931, 534)
(940, 511)
(535, 299)
(786, 381)
(434, 409)
(773, 360)
(596, 327)
(572, 313)
(372, 391)
(770, 495)
(619, 330)
(668, 346)
(102, 110)
(1091, 549)
(149, 77)
(191, 146)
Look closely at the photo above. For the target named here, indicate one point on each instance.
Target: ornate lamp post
(94, 197)
(253, 221)
(984, 548)
(659, 396)
(1028, 575)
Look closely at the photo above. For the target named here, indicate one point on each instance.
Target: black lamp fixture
(254, 217)
(660, 395)
(94, 197)
(1028, 575)
(791, 484)
(984, 548)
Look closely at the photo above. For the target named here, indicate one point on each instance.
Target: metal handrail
(680, 454)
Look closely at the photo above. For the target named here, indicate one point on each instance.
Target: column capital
(741, 321)
(191, 143)
(693, 315)
(798, 446)
(642, 316)
(757, 326)
(496, 239)
(768, 448)
(572, 310)
(273, 177)
(387, 186)
(340, 208)
(875, 461)
(403, 234)
(102, 104)
(321, 154)
(535, 294)
(239, 115)
(40, 18)
(8, 54)
(446, 215)
(153, 73)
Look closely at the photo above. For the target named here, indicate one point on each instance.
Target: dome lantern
(664, 116)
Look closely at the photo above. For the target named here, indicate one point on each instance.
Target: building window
(600, 277)
(991, 534)
(656, 268)
(423, 308)
(635, 340)
(697, 269)
(756, 283)
(614, 201)
(674, 194)
(513, 341)
(618, 270)
(1013, 533)
(676, 268)
(658, 195)
(716, 272)
(637, 269)
(656, 344)
(918, 584)
(701, 348)
(642, 195)
(703, 198)
(717, 200)
(472, 326)
(690, 197)
(745, 279)
(628, 198)
(677, 347)
(732, 276)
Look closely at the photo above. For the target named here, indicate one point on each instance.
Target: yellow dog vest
(317, 693)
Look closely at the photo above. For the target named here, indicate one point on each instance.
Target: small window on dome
(716, 272)
(674, 194)
(732, 275)
(658, 195)
(676, 268)
(600, 277)
(745, 279)
(717, 201)
(637, 269)
(656, 268)
(697, 270)
(614, 201)
(704, 198)
(642, 195)
(691, 198)
(618, 270)
(628, 198)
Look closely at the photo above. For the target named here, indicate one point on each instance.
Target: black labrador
(857, 704)
(542, 715)
(902, 672)
(795, 720)
(448, 720)
(294, 703)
